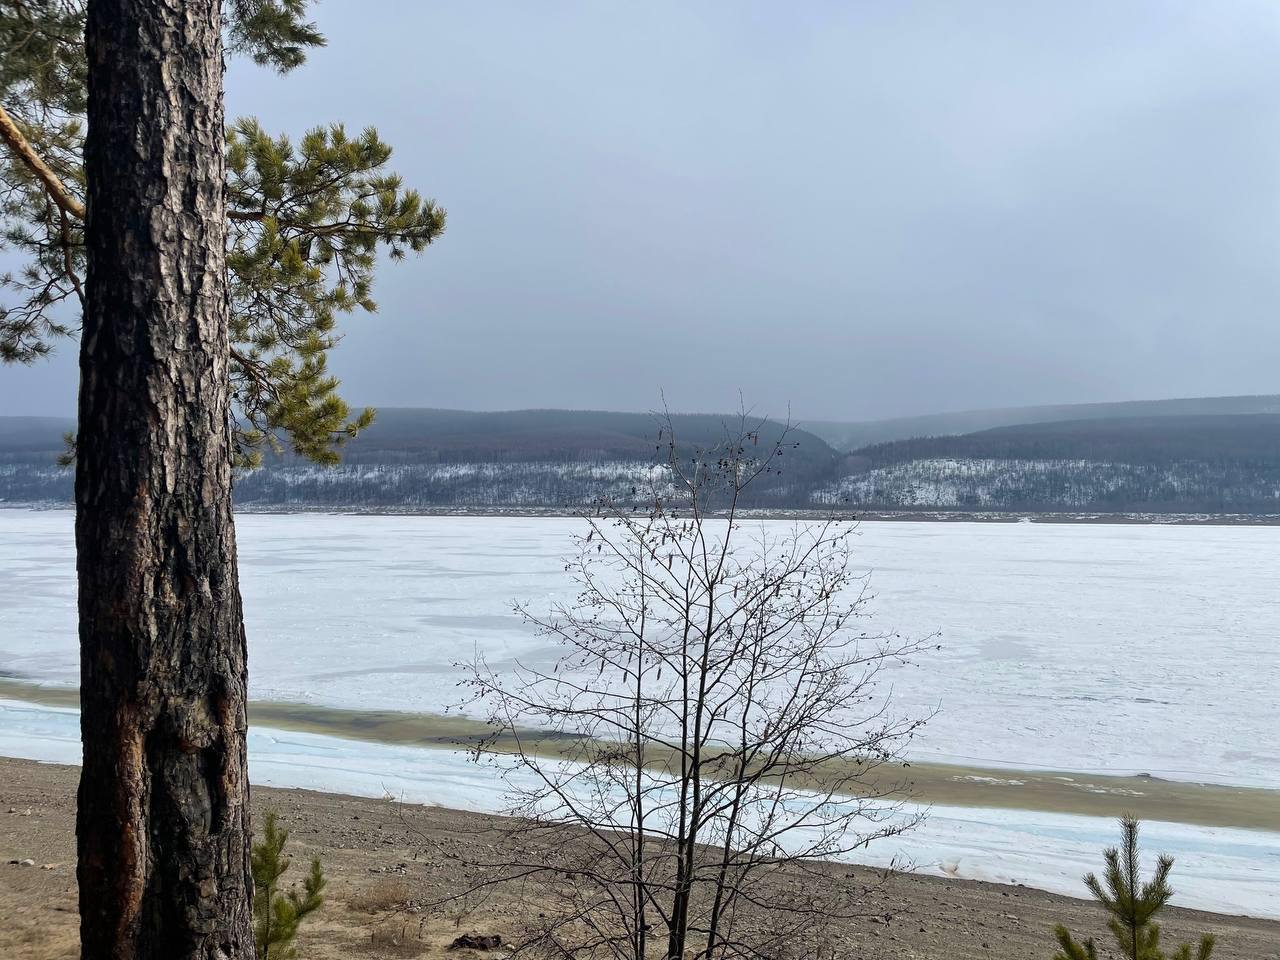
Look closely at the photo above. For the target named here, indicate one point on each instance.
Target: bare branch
(718, 716)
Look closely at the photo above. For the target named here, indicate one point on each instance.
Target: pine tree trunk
(163, 830)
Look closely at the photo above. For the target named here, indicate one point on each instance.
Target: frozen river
(1119, 649)
(1086, 647)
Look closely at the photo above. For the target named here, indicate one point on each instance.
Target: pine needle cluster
(1132, 906)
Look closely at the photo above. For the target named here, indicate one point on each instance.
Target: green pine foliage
(306, 224)
(1131, 906)
(278, 913)
(275, 33)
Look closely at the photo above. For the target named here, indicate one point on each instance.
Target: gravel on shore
(387, 861)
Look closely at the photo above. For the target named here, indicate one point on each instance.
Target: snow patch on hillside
(536, 483)
(1057, 483)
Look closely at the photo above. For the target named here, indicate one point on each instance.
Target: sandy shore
(1098, 795)
(387, 860)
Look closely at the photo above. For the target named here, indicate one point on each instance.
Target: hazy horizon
(859, 212)
(796, 419)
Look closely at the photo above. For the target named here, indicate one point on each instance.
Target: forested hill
(453, 458)
(1251, 438)
(465, 436)
(1209, 463)
(852, 435)
(19, 435)
(432, 459)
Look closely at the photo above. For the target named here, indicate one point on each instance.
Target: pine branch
(54, 186)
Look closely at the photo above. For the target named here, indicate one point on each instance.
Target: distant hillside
(1201, 463)
(1162, 462)
(33, 434)
(425, 457)
(852, 435)
(465, 436)
(522, 458)
(1160, 439)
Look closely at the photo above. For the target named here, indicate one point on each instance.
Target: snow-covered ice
(1088, 647)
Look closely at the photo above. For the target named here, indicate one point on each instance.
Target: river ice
(1085, 647)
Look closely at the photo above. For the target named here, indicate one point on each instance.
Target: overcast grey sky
(858, 209)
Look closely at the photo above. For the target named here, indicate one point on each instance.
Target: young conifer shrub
(1131, 906)
(277, 914)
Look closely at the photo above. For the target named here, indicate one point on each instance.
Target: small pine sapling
(276, 914)
(1131, 906)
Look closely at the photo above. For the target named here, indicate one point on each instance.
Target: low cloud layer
(859, 210)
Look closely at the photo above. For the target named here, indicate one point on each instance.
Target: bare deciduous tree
(713, 720)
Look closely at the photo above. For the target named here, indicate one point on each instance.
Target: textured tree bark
(162, 830)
